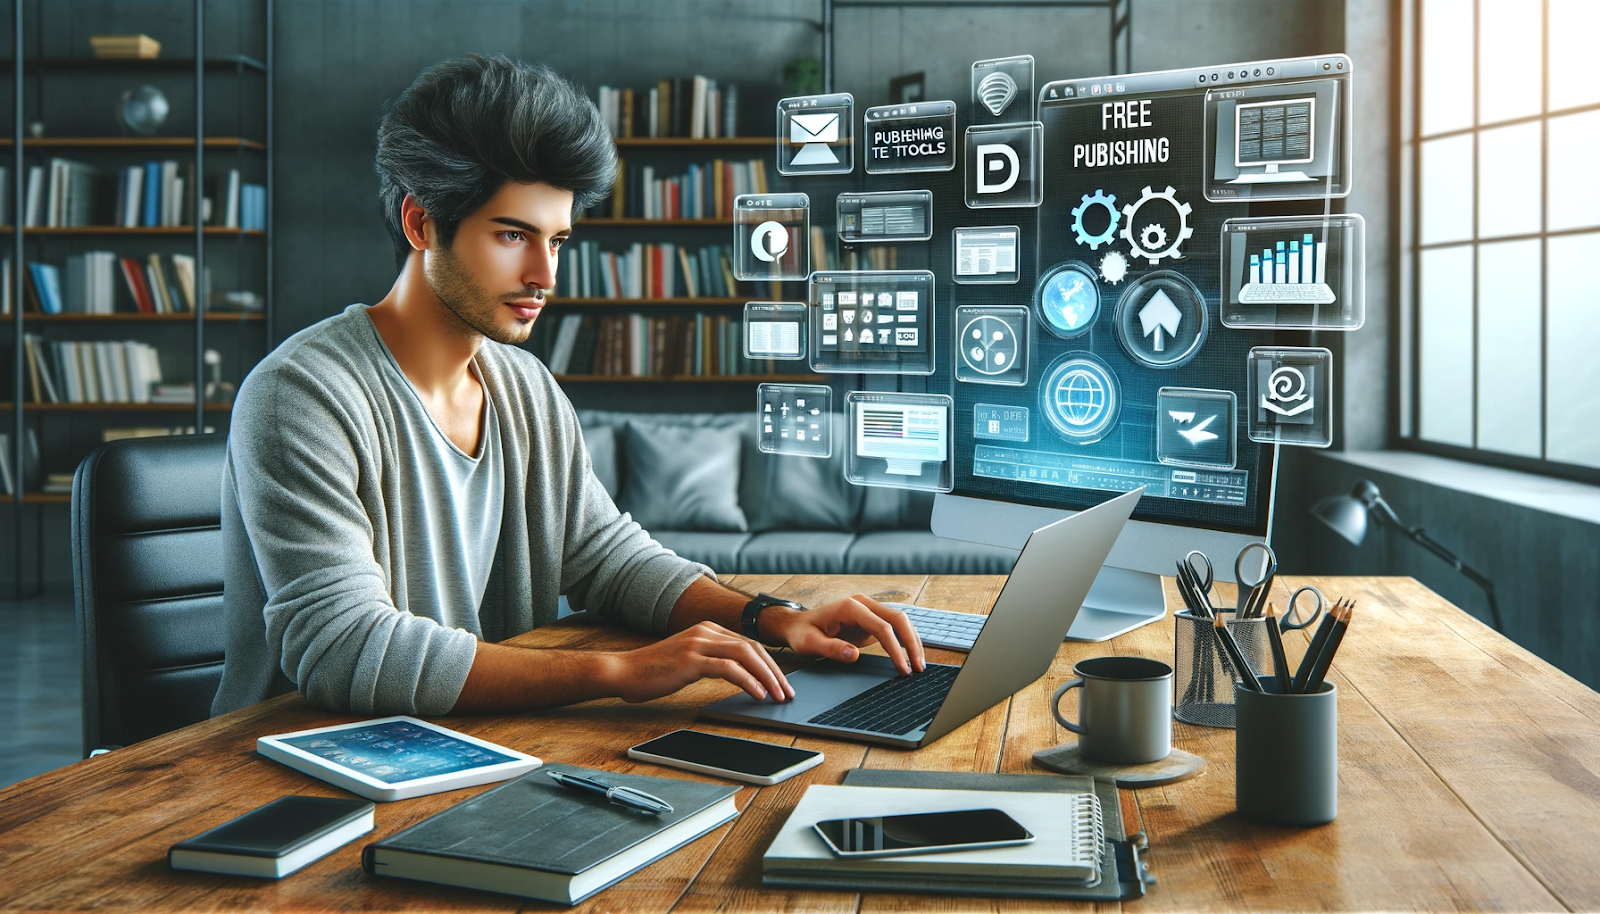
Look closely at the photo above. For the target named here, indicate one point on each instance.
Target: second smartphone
(726, 756)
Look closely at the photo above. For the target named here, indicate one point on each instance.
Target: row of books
(694, 107)
(66, 193)
(30, 463)
(705, 191)
(639, 345)
(856, 257)
(103, 371)
(61, 483)
(646, 271)
(100, 282)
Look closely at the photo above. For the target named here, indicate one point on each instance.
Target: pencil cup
(1287, 768)
(1203, 684)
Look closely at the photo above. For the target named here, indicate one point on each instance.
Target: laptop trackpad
(817, 688)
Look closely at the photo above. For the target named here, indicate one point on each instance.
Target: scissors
(1202, 583)
(1286, 622)
(1248, 587)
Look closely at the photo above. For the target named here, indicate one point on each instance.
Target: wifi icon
(996, 91)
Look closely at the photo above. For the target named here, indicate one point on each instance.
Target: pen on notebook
(1231, 646)
(622, 796)
(1280, 660)
(1341, 624)
(1309, 660)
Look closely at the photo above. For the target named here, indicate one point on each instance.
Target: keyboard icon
(1286, 293)
(941, 627)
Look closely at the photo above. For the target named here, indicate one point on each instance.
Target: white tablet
(395, 758)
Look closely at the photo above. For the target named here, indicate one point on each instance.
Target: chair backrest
(147, 583)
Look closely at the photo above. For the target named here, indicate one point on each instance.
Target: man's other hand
(837, 629)
(705, 650)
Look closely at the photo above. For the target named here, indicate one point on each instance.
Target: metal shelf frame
(21, 67)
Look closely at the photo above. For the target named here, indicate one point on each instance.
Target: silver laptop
(869, 700)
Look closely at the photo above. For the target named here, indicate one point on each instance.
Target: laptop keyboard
(900, 705)
(941, 627)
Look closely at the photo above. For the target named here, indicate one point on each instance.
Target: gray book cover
(534, 823)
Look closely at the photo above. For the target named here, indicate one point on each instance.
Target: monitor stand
(1271, 176)
(1119, 602)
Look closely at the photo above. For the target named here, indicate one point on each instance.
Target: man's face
(494, 275)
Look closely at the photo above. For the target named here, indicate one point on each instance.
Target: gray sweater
(319, 569)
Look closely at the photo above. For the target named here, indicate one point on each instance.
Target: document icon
(815, 135)
(815, 131)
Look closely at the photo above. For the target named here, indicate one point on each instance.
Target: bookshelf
(236, 135)
(616, 233)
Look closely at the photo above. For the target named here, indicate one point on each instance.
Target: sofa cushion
(782, 492)
(601, 442)
(718, 551)
(884, 508)
(796, 552)
(920, 552)
(680, 477)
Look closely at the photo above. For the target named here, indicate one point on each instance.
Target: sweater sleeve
(329, 615)
(611, 565)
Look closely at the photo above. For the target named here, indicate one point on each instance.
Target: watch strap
(749, 619)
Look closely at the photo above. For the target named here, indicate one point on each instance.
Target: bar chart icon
(1294, 272)
(1290, 272)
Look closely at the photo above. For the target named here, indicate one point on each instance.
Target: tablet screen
(395, 751)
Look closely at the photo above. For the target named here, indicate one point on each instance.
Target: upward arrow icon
(1159, 314)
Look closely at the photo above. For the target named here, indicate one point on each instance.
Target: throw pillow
(681, 478)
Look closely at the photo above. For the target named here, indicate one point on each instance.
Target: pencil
(1231, 646)
(1280, 660)
(1308, 661)
(1320, 671)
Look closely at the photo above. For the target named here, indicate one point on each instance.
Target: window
(1505, 238)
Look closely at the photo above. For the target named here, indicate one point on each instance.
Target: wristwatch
(752, 613)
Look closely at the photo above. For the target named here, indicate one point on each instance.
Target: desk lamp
(1348, 515)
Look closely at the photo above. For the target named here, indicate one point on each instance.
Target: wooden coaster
(1178, 766)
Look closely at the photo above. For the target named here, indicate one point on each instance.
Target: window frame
(1410, 204)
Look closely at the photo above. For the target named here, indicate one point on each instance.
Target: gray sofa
(700, 485)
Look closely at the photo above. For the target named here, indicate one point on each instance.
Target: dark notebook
(275, 839)
(535, 838)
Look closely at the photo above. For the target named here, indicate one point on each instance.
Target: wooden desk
(1469, 779)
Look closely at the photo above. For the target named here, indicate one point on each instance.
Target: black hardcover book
(276, 839)
(535, 838)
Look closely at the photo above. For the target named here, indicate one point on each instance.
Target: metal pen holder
(1203, 676)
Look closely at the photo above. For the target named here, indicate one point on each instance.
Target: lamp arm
(1421, 538)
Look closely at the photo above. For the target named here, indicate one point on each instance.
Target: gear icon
(1153, 237)
(1113, 267)
(1099, 198)
(1154, 252)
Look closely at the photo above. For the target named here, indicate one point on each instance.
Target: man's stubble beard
(459, 291)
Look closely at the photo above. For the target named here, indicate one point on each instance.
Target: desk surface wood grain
(1469, 779)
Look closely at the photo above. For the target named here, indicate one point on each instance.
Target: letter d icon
(990, 156)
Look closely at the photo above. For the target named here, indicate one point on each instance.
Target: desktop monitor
(1137, 379)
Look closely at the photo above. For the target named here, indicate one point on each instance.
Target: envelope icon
(814, 128)
(814, 132)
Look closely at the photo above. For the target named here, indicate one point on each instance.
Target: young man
(405, 486)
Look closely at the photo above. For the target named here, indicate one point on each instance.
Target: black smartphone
(726, 756)
(922, 833)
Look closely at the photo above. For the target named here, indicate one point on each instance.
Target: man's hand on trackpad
(702, 651)
(835, 630)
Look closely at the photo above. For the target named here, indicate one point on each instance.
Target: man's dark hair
(465, 127)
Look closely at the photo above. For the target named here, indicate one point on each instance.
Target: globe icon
(1068, 300)
(1080, 397)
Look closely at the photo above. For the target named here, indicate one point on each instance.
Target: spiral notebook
(1123, 874)
(1067, 849)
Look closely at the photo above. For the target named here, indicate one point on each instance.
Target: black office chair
(147, 582)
